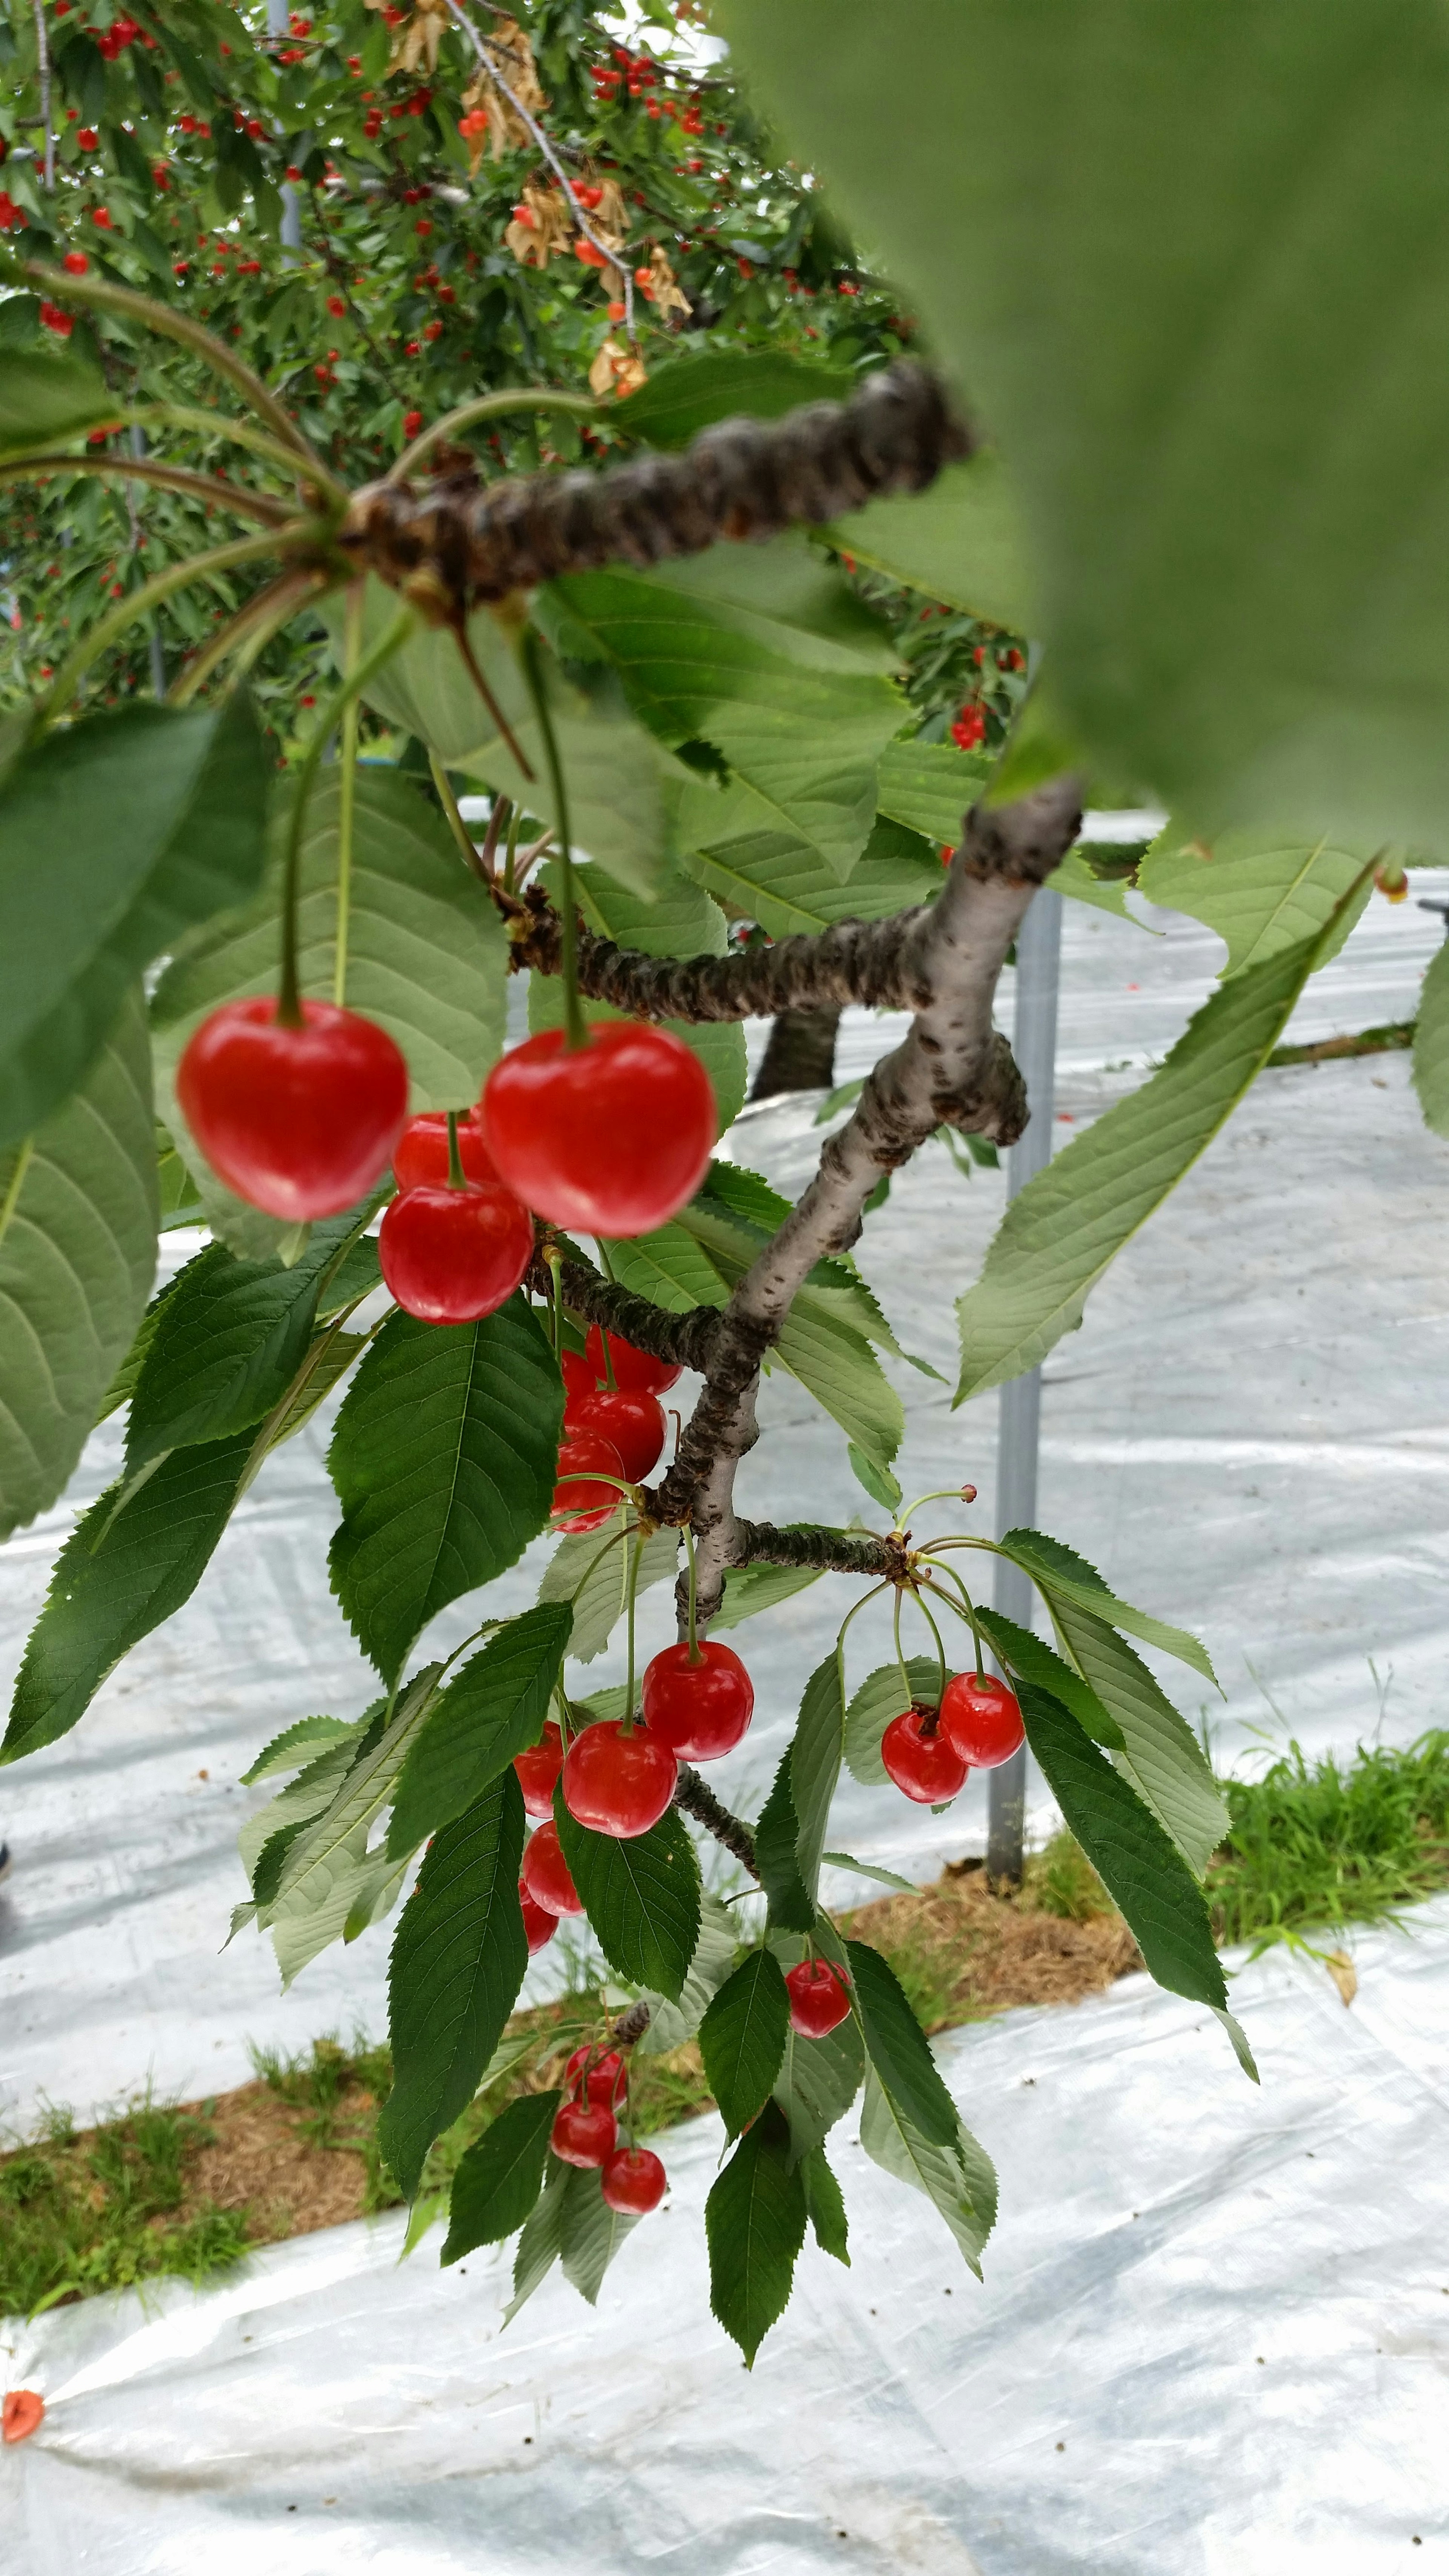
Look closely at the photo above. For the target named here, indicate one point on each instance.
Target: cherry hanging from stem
(289, 999)
(533, 674)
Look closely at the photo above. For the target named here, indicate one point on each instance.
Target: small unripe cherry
(452, 1256)
(982, 1718)
(819, 1997)
(546, 1876)
(634, 2181)
(634, 1424)
(920, 1758)
(539, 1924)
(298, 1121)
(421, 1153)
(580, 1500)
(700, 1709)
(634, 1371)
(538, 1770)
(618, 1783)
(583, 2134)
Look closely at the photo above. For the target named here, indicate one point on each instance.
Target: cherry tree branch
(694, 1797)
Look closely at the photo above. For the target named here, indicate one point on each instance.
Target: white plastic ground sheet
(1250, 1435)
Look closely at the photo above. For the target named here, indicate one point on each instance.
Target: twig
(683, 1341)
(694, 1797)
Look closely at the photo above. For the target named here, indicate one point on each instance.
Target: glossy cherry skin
(578, 1377)
(619, 1784)
(538, 1924)
(634, 1371)
(819, 1997)
(584, 2133)
(450, 1256)
(634, 2180)
(422, 1150)
(982, 1718)
(545, 1875)
(611, 1137)
(606, 2081)
(538, 1770)
(635, 1425)
(699, 1710)
(580, 1502)
(299, 1122)
(926, 1765)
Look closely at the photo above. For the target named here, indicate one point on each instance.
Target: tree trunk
(801, 1053)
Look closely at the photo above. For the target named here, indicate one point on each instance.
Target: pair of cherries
(616, 1430)
(928, 1751)
(619, 1780)
(610, 1138)
(586, 2132)
(450, 1255)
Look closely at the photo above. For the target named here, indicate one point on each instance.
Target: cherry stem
(910, 1698)
(968, 1614)
(289, 999)
(552, 1264)
(695, 1656)
(457, 1177)
(478, 867)
(610, 1381)
(574, 1029)
(347, 792)
(635, 1554)
(940, 1646)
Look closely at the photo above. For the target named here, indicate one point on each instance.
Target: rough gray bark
(801, 1053)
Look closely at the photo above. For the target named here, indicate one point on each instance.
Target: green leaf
(500, 2176)
(590, 1570)
(869, 1869)
(1161, 1756)
(1259, 895)
(681, 921)
(132, 1560)
(960, 541)
(688, 394)
(742, 2039)
(313, 1790)
(930, 787)
(897, 2046)
(443, 1458)
(1022, 1653)
(457, 1964)
(641, 1896)
(362, 1796)
(45, 400)
(786, 592)
(754, 2221)
(1055, 1568)
(826, 2206)
(590, 2232)
(791, 1907)
(1431, 1045)
(777, 879)
(1074, 877)
(77, 1255)
(117, 834)
(491, 1710)
(672, 2023)
(287, 1751)
(541, 2243)
(815, 1753)
(750, 1589)
(1140, 1868)
(1059, 1235)
(959, 2177)
(881, 1697)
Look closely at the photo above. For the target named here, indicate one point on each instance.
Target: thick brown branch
(695, 1798)
(854, 961)
(685, 1341)
(460, 543)
(832, 1551)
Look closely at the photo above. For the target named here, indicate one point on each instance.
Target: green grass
(81, 2215)
(1317, 1846)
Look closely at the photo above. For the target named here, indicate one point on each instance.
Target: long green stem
(289, 999)
(635, 1553)
(248, 633)
(968, 1612)
(457, 1177)
(509, 882)
(940, 1648)
(139, 604)
(574, 1029)
(900, 1658)
(449, 803)
(487, 407)
(551, 1260)
(347, 793)
(237, 433)
(243, 503)
(939, 1494)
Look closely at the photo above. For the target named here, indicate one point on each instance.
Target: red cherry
(422, 1150)
(611, 1137)
(579, 1502)
(982, 1719)
(584, 2134)
(538, 1770)
(699, 1710)
(926, 1765)
(298, 1121)
(634, 2180)
(578, 1377)
(546, 1875)
(634, 1424)
(539, 1925)
(606, 2081)
(450, 1256)
(819, 1997)
(635, 1371)
(619, 1784)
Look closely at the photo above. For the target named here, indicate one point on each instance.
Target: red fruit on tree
(580, 1501)
(578, 1377)
(605, 2081)
(450, 1256)
(634, 1424)
(920, 1759)
(298, 1121)
(546, 1876)
(538, 1924)
(422, 1150)
(635, 1371)
(538, 1770)
(634, 2180)
(819, 1997)
(583, 2133)
(611, 1137)
(618, 1783)
(699, 1709)
(982, 1719)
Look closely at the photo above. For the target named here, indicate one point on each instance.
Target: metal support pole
(279, 23)
(1034, 1044)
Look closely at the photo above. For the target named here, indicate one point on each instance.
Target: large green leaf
(958, 2177)
(789, 1903)
(346, 1821)
(742, 2038)
(672, 2022)
(825, 2202)
(541, 2243)
(1259, 895)
(492, 1710)
(1023, 1653)
(137, 1554)
(960, 541)
(752, 1588)
(881, 1696)
(46, 398)
(1058, 1570)
(457, 1964)
(641, 1896)
(443, 1458)
(1220, 423)
(1431, 1045)
(754, 2221)
(77, 1255)
(500, 2176)
(589, 1569)
(1059, 1236)
(688, 393)
(815, 1754)
(117, 834)
(897, 2046)
(590, 2232)
(930, 787)
(680, 921)
(1160, 1755)
(777, 879)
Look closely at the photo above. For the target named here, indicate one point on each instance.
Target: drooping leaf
(492, 1709)
(815, 1756)
(541, 2243)
(958, 2177)
(457, 1964)
(930, 787)
(590, 2232)
(77, 1255)
(672, 2023)
(1022, 1653)
(296, 1745)
(360, 1799)
(882, 1696)
(590, 1570)
(1160, 1755)
(443, 1458)
(791, 1907)
(1431, 1045)
(316, 1785)
(897, 2046)
(500, 2176)
(45, 399)
(1055, 1568)
(742, 2038)
(754, 2221)
(641, 1896)
(680, 921)
(960, 541)
(688, 393)
(825, 2204)
(1260, 895)
(750, 1589)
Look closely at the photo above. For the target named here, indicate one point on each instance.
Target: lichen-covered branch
(684, 1341)
(873, 962)
(831, 1551)
(694, 1797)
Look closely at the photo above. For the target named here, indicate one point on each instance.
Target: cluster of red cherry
(586, 2132)
(613, 1425)
(928, 1751)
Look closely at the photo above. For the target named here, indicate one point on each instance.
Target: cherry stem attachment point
(289, 998)
(457, 1177)
(528, 655)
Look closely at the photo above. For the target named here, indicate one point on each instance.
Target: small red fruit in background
(21, 2414)
(982, 1719)
(699, 1709)
(634, 1371)
(619, 1784)
(819, 1997)
(298, 1121)
(538, 1924)
(606, 2081)
(634, 2181)
(412, 423)
(422, 1150)
(920, 1758)
(545, 1876)
(634, 1424)
(538, 1770)
(580, 1501)
(449, 1255)
(611, 1137)
(583, 2134)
